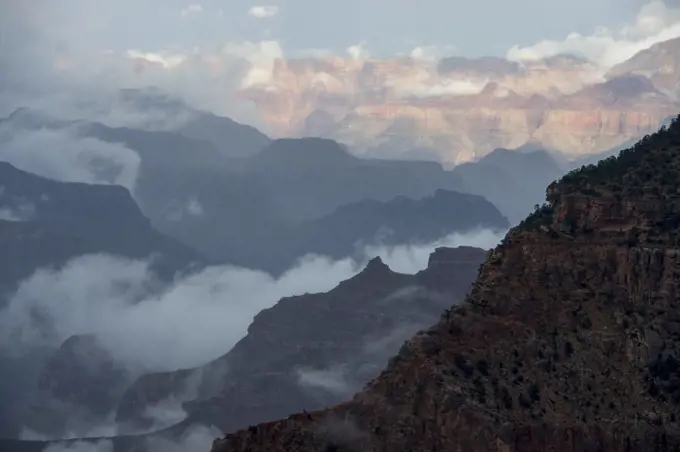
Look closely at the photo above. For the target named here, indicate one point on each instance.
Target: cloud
(196, 438)
(190, 322)
(63, 155)
(13, 208)
(313, 53)
(192, 207)
(191, 9)
(358, 51)
(656, 22)
(332, 379)
(444, 87)
(261, 57)
(431, 52)
(82, 446)
(45, 61)
(342, 379)
(262, 12)
(22, 212)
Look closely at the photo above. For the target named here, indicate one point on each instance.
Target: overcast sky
(471, 27)
(209, 49)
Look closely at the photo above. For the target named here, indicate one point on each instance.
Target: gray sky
(478, 27)
(55, 47)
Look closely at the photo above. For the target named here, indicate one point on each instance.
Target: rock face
(77, 389)
(660, 64)
(567, 341)
(312, 350)
(459, 109)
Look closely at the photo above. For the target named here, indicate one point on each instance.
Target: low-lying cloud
(342, 379)
(192, 321)
(198, 438)
(64, 155)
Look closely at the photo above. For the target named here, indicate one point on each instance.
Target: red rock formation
(464, 108)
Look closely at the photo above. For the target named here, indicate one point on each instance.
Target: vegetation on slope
(649, 167)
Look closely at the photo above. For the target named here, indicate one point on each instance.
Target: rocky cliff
(313, 350)
(459, 109)
(659, 63)
(567, 341)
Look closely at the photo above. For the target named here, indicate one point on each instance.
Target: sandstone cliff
(459, 109)
(568, 340)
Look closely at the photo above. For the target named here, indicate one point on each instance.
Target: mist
(188, 323)
(63, 155)
(198, 438)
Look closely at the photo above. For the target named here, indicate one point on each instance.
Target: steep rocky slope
(568, 340)
(312, 350)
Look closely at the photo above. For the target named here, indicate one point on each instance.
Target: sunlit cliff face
(459, 108)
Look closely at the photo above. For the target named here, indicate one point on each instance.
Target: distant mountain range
(457, 109)
(45, 223)
(193, 206)
(292, 197)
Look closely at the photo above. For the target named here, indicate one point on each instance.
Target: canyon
(567, 341)
(457, 110)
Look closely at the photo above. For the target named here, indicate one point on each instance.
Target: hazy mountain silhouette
(45, 222)
(513, 181)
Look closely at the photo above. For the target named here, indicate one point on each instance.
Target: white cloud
(166, 59)
(656, 22)
(191, 207)
(195, 208)
(358, 51)
(188, 323)
(262, 12)
(261, 57)
(196, 438)
(332, 379)
(21, 212)
(426, 82)
(431, 52)
(194, 8)
(313, 53)
(64, 155)
(47, 62)
(104, 445)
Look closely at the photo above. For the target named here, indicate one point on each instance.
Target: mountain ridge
(82, 218)
(568, 338)
(458, 109)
